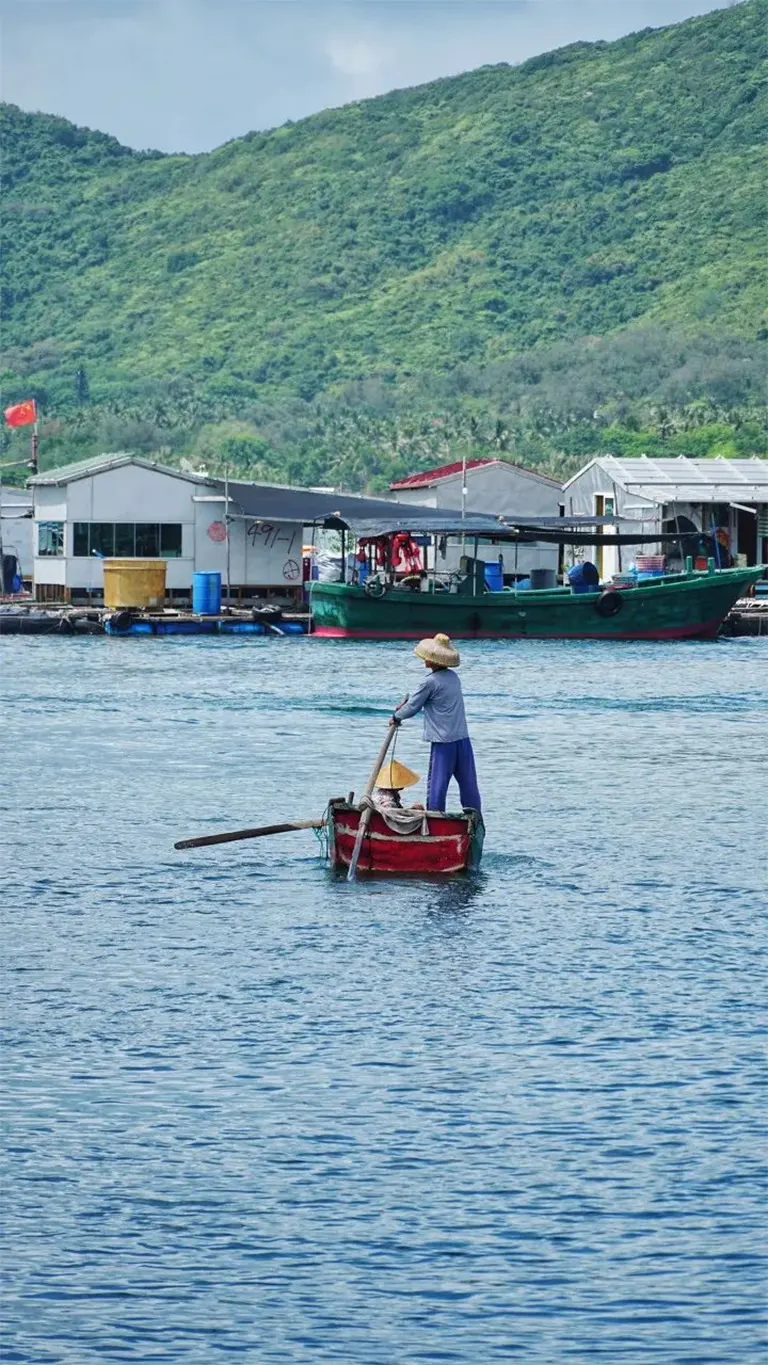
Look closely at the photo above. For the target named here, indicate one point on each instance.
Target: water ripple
(252, 1111)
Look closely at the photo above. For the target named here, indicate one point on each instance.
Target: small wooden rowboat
(452, 843)
(363, 838)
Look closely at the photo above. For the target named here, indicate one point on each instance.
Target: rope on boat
(321, 834)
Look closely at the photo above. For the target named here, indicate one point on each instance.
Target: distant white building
(727, 499)
(125, 506)
(16, 530)
(495, 487)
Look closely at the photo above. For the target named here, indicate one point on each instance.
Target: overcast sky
(187, 75)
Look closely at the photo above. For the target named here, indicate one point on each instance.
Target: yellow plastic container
(134, 582)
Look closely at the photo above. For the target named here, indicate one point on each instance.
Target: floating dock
(34, 618)
(748, 617)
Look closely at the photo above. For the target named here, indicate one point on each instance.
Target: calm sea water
(254, 1112)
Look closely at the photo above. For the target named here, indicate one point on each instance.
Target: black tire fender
(609, 603)
(374, 587)
(121, 620)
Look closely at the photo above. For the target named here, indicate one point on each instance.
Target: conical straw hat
(438, 651)
(395, 775)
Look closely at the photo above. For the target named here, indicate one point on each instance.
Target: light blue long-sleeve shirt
(440, 698)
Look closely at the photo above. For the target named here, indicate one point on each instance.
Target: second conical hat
(396, 775)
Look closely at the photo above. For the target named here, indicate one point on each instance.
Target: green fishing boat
(392, 605)
(674, 607)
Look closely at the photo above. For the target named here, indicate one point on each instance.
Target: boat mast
(463, 498)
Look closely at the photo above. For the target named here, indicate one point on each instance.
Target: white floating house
(494, 487)
(125, 506)
(722, 500)
(16, 526)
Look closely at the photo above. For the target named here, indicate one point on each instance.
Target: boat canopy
(568, 530)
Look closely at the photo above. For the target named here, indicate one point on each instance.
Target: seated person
(390, 782)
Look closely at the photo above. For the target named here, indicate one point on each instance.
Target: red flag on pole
(21, 414)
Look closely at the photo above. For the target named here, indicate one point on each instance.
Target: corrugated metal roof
(11, 496)
(99, 464)
(682, 479)
(443, 471)
(449, 471)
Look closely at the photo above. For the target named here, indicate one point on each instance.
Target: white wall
(261, 553)
(129, 493)
(579, 496)
(18, 531)
(50, 504)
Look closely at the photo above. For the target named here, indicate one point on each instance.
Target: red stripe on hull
(706, 630)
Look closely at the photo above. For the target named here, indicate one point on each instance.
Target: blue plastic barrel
(206, 594)
(494, 577)
(584, 577)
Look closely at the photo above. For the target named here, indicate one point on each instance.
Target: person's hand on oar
(395, 720)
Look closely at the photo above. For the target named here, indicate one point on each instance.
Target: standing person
(445, 725)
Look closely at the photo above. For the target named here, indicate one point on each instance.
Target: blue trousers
(452, 760)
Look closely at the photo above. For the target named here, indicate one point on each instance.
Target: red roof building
(496, 487)
(427, 477)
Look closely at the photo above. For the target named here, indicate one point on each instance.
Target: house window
(50, 538)
(124, 539)
(80, 540)
(147, 540)
(170, 541)
(102, 539)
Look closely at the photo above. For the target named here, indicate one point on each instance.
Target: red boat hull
(453, 844)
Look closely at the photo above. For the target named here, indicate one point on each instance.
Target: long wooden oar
(234, 834)
(365, 817)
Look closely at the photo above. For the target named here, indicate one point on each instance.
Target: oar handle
(365, 815)
(205, 839)
(378, 765)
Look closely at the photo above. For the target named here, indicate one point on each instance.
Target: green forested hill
(548, 259)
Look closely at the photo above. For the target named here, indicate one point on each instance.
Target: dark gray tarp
(384, 517)
(271, 502)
